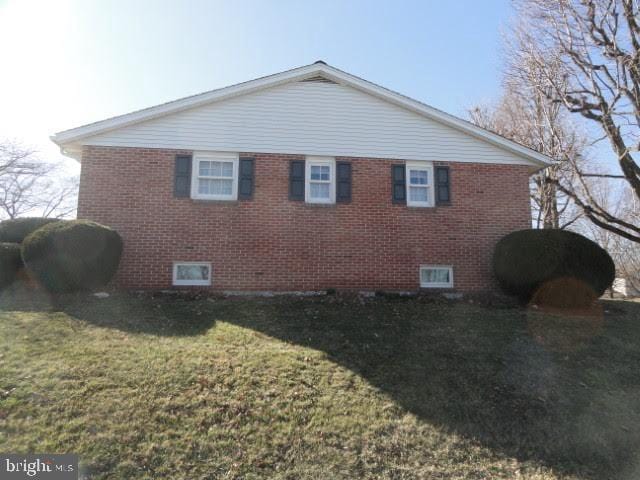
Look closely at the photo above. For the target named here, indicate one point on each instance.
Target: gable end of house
(311, 110)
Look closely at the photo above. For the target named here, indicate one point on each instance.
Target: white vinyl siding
(214, 176)
(309, 118)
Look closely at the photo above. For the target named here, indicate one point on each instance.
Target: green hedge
(526, 260)
(10, 263)
(72, 255)
(17, 229)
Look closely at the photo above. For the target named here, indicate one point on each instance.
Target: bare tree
(595, 46)
(623, 203)
(29, 186)
(625, 252)
(528, 117)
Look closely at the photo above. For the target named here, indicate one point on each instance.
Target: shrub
(526, 260)
(72, 255)
(17, 229)
(10, 263)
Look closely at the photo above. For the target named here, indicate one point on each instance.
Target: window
(191, 273)
(420, 184)
(320, 180)
(436, 276)
(215, 176)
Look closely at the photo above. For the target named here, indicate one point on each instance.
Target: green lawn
(322, 388)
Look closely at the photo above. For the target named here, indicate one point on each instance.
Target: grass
(208, 388)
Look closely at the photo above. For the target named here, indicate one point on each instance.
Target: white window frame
(191, 283)
(214, 157)
(322, 162)
(436, 284)
(425, 166)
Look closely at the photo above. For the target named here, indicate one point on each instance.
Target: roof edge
(66, 138)
(185, 103)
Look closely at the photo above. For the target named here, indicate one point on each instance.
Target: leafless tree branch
(529, 117)
(587, 54)
(29, 186)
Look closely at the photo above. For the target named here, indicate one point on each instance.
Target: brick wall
(272, 243)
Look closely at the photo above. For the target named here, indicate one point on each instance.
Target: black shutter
(296, 180)
(182, 176)
(398, 184)
(245, 178)
(343, 182)
(443, 186)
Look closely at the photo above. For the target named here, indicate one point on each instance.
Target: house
(304, 180)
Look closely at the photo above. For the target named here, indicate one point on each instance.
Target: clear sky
(66, 63)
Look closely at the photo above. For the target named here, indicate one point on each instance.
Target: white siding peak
(312, 110)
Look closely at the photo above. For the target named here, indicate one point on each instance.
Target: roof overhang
(70, 141)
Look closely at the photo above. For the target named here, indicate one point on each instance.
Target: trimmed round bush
(526, 260)
(16, 230)
(10, 263)
(72, 255)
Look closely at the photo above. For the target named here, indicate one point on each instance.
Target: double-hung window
(215, 176)
(420, 191)
(320, 180)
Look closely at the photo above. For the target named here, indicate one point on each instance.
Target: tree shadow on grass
(154, 314)
(563, 392)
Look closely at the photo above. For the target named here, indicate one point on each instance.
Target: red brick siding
(272, 243)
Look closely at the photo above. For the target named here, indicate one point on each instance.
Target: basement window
(436, 276)
(192, 273)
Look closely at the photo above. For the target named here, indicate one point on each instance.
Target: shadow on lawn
(155, 315)
(166, 315)
(559, 391)
(563, 392)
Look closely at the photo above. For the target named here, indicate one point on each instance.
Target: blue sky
(80, 61)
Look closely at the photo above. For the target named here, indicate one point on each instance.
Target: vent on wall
(318, 79)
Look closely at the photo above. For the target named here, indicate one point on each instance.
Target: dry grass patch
(166, 387)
